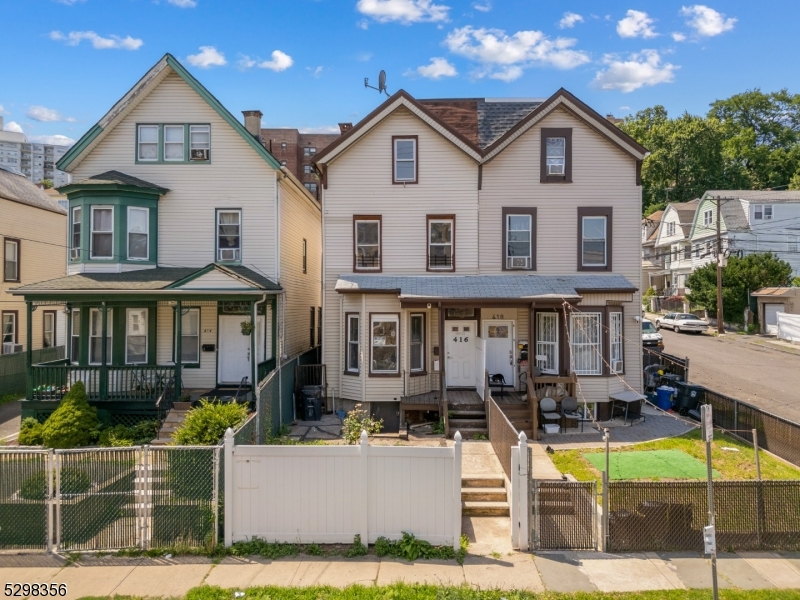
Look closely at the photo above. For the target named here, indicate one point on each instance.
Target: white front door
(771, 316)
(233, 358)
(499, 338)
(459, 344)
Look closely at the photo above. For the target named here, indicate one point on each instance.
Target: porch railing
(265, 368)
(51, 381)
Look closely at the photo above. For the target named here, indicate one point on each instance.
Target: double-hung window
(417, 343)
(441, 234)
(547, 342)
(518, 238)
(671, 228)
(585, 343)
(556, 155)
(594, 236)
(311, 187)
(77, 216)
(687, 252)
(229, 235)
(762, 212)
(404, 152)
(385, 344)
(708, 216)
(148, 143)
(173, 143)
(96, 336)
(615, 340)
(102, 244)
(11, 259)
(75, 337)
(312, 313)
(9, 328)
(199, 142)
(138, 233)
(136, 336)
(367, 241)
(49, 328)
(352, 351)
(307, 169)
(190, 336)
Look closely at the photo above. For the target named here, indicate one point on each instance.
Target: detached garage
(774, 300)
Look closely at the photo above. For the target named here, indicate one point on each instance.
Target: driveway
(737, 366)
(9, 418)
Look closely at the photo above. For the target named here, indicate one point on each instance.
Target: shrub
(30, 432)
(120, 435)
(206, 424)
(356, 421)
(73, 481)
(74, 423)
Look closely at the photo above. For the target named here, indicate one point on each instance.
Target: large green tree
(740, 277)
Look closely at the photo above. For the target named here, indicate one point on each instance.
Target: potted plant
(247, 327)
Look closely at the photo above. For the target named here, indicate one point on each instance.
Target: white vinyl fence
(788, 327)
(480, 366)
(328, 494)
(519, 500)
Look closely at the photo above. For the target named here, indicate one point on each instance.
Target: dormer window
(404, 156)
(229, 235)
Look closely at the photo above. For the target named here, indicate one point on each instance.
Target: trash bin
(664, 397)
(670, 379)
(689, 396)
(312, 402)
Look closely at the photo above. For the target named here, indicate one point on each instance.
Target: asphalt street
(742, 367)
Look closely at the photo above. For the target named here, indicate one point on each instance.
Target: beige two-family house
(471, 237)
(194, 257)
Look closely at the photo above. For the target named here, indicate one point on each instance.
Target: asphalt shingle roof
(495, 118)
(485, 287)
(18, 188)
(755, 195)
(118, 178)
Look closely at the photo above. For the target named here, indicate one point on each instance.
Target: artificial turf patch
(650, 464)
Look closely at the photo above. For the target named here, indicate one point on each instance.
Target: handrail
(502, 435)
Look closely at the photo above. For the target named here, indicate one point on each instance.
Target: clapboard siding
(237, 177)
(206, 375)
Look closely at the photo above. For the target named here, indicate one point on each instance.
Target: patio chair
(549, 408)
(569, 410)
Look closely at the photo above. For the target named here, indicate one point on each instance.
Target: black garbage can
(689, 397)
(312, 402)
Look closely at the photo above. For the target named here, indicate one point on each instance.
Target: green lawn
(431, 592)
(738, 464)
(650, 464)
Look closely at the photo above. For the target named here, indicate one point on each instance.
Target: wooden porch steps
(471, 422)
(172, 422)
(484, 496)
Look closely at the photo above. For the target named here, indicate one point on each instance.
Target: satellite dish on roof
(381, 83)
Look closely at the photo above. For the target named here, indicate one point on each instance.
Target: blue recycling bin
(664, 398)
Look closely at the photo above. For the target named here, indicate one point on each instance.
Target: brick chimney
(345, 127)
(252, 122)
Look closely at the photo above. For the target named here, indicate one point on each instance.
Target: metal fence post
(456, 491)
(364, 521)
(50, 500)
(57, 459)
(215, 500)
(604, 521)
(523, 491)
(143, 492)
(228, 487)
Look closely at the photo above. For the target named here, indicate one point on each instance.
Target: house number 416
(498, 316)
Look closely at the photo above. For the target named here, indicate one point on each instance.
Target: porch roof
(484, 287)
(172, 280)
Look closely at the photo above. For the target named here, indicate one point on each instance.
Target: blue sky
(303, 62)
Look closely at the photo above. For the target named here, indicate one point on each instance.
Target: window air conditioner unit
(75, 253)
(555, 169)
(229, 254)
(519, 262)
(616, 366)
(11, 347)
(201, 154)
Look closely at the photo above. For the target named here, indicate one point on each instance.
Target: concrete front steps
(175, 418)
(470, 422)
(484, 496)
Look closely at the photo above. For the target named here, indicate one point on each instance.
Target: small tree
(356, 421)
(74, 423)
(46, 183)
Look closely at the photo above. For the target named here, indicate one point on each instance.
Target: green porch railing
(52, 381)
(265, 368)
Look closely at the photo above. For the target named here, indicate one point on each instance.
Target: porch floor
(461, 398)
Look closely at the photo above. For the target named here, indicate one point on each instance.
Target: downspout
(364, 354)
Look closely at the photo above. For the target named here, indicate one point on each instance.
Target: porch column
(28, 349)
(68, 342)
(178, 347)
(442, 361)
(253, 353)
(104, 351)
(534, 401)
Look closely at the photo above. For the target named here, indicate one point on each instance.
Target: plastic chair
(549, 408)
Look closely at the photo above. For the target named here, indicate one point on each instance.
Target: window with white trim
(556, 158)
(199, 142)
(440, 244)
(417, 343)
(615, 333)
(708, 217)
(173, 143)
(311, 187)
(671, 228)
(547, 342)
(384, 340)
(519, 233)
(9, 328)
(148, 143)
(75, 250)
(96, 336)
(190, 336)
(229, 235)
(405, 160)
(762, 212)
(75, 337)
(11, 260)
(352, 344)
(585, 343)
(49, 328)
(368, 244)
(136, 336)
(307, 169)
(138, 233)
(594, 243)
(102, 243)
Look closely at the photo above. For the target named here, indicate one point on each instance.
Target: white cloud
(56, 140)
(115, 42)
(363, 24)
(504, 57)
(320, 129)
(636, 24)
(245, 62)
(438, 68)
(208, 56)
(183, 3)
(46, 115)
(569, 20)
(13, 126)
(643, 68)
(3, 111)
(364, 56)
(485, 7)
(706, 21)
(280, 62)
(315, 71)
(404, 11)
(678, 36)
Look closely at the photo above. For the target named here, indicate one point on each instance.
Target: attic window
(148, 142)
(555, 165)
(404, 157)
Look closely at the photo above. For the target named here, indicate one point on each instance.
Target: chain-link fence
(655, 516)
(25, 492)
(563, 515)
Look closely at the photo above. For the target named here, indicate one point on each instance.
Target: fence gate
(563, 515)
(25, 488)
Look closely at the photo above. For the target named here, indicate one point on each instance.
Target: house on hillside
(194, 257)
(652, 264)
(33, 230)
(750, 221)
(673, 248)
(472, 236)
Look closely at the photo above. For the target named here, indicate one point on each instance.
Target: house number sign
(498, 316)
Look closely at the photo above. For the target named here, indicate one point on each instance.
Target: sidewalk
(552, 571)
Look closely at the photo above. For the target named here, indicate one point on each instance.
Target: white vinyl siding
(136, 336)
(585, 343)
(96, 336)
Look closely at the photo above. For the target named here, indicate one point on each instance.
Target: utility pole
(720, 325)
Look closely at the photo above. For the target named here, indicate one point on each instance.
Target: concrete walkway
(553, 571)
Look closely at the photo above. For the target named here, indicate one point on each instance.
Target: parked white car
(682, 322)
(650, 336)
